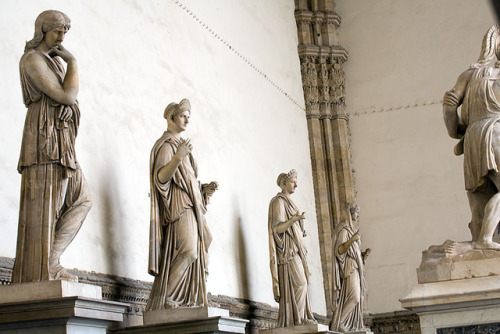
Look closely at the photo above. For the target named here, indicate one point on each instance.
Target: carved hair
(489, 47)
(284, 177)
(46, 21)
(174, 109)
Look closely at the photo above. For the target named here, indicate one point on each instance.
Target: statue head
(353, 210)
(174, 109)
(177, 115)
(46, 21)
(489, 48)
(287, 181)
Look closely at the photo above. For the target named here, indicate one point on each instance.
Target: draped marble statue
(349, 281)
(179, 235)
(476, 126)
(289, 270)
(55, 198)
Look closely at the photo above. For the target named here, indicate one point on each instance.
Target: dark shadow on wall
(241, 257)
(495, 4)
(243, 270)
(113, 232)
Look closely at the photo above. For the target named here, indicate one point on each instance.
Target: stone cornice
(305, 16)
(328, 116)
(306, 50)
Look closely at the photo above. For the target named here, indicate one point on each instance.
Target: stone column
(321, 61)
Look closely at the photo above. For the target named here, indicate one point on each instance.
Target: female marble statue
(289, 269)
(349, 281)
(55, 197)
(179, 235)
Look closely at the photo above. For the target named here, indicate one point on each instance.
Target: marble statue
(179, 235)
(476, 126)
(289, 270)
(349, 281)
(55, 198)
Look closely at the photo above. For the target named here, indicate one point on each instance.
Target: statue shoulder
(31, 58)
(34, 65)
(465, 76)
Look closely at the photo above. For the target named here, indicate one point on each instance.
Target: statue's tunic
(179, 235)
(54, 195)
(46, 139)
(348, 283)
(289, 269)
(480, 112)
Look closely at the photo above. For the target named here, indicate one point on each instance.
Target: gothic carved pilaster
(321, 63)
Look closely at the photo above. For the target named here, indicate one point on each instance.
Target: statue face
(54, 36)
(181, 120)
(290, 185)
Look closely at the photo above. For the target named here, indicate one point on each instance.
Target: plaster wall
(403, 56)
(134, 58)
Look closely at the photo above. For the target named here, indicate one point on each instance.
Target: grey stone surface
(474, 263)
(60, 315)
(211, 325)
(302, 329)
(455, 303)
(46, 290)
(183, 314)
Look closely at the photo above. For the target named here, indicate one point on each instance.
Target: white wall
(403, 56)
(135, 57)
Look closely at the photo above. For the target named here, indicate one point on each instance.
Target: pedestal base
(458, 303)
(181, 314)
(302, 329)
(56, 307)
(187, 321)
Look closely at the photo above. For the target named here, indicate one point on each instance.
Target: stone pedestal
(303, 329)
(455, 304)
(464, 262)
(56, 307)
(187, 321)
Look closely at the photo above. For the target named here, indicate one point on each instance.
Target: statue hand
(184, 148)
(450, 98)
(302, 216)
(365, 254)
(65, 113)
(355, 237)
(210, 188)
(62, 52)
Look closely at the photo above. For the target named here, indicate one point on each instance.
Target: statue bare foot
(309, 322)
(487, 245)
(63, 274)
(170, 303)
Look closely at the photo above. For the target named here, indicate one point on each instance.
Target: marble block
(455, 303)
(187, 321)
(46, 290)
(302, 329)
(50, 307)
(471, 264)
(182, 314)
(69, 315)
